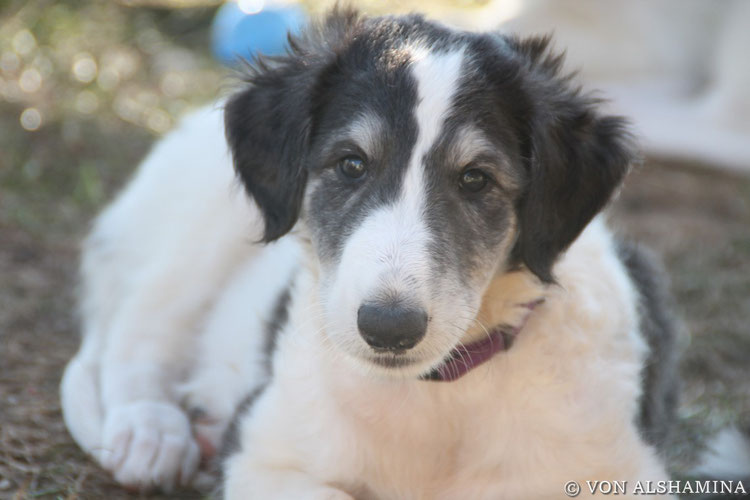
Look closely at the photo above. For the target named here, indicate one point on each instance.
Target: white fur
(558, 406)
(727, 456)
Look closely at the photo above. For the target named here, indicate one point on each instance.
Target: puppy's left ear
(268, 123)
(576, 160)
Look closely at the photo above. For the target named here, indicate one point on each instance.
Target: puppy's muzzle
(391, 328)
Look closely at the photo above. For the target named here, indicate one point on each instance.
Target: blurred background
(87, 86)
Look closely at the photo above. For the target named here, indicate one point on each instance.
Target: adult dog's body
(448, 185)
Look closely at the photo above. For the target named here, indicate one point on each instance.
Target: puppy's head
(424, 162)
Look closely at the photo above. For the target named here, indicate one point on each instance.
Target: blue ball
(237, 35)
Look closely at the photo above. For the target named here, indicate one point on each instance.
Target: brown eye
(352, 167)
(473, 180)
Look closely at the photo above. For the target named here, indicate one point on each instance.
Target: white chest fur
(558, 406)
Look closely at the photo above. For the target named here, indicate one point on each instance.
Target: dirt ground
(54, 180)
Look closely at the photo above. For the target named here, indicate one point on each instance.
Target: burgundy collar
(464, 358)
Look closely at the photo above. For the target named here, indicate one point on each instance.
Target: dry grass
(698, 220)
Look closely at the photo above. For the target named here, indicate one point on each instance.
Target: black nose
(391, 327)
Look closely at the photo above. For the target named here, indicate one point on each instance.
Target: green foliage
(85, 86)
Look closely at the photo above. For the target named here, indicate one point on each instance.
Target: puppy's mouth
(459, 361)
(392, 360)
(401, 364)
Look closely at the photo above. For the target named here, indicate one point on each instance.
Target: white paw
(149, 444)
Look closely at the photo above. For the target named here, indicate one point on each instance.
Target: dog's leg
(235, 345)
(155, 262)
(147, 439)
(146, 436)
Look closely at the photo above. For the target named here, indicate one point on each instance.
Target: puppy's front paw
(149, 444)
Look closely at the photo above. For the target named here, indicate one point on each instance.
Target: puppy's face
(410, 201)
(424, 162)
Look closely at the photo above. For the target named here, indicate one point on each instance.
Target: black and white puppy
(447, 317)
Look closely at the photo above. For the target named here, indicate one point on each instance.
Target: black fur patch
(570, 157)
(230, 443)
(659, 329)
(268, 125)
(576, 158)
(279, 319)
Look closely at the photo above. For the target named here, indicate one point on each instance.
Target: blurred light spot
(24, 42)
(108, 79)
(126, 108)
(84, 67)
(30, 80)
(9, 62)
(175, 60)
(123, 61)
(250, 6)
(86, 102)
(44, 64)
(173, 84)
(31, 119)
(147, 98)
(158, 120)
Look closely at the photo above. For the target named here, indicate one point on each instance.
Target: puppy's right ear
(268, 123)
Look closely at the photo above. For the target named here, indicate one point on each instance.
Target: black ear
(268, 123)
(576, 159)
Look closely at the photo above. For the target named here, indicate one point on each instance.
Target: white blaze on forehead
(386, 256)
(437, 76)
